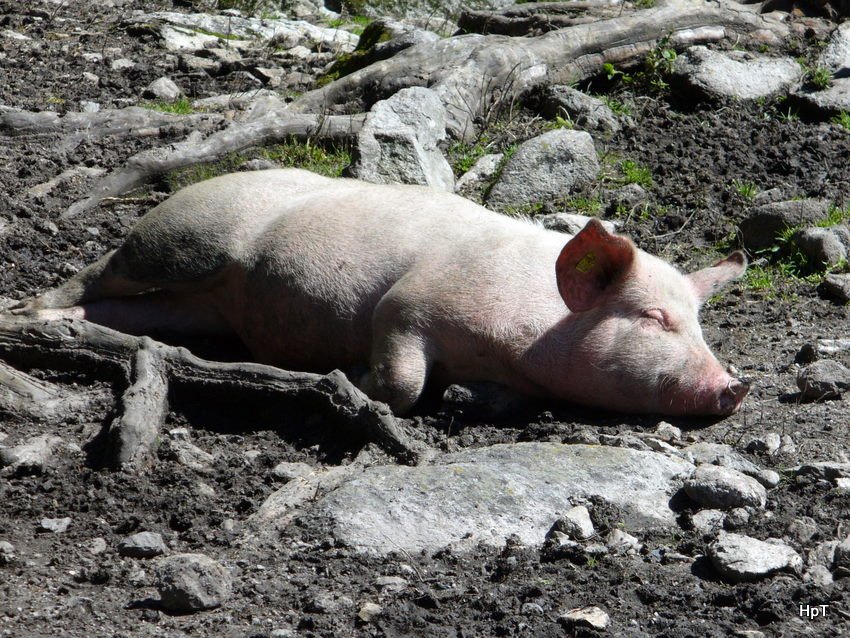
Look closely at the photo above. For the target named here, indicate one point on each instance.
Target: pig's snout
(732, 396)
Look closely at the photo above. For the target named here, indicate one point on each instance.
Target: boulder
(741, 558)
(583, 110)
(763, 225)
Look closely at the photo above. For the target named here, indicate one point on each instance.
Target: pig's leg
(400, 365)
(96, 281)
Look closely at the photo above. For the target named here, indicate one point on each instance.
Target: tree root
(148, 368)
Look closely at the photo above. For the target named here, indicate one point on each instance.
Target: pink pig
(317, 273)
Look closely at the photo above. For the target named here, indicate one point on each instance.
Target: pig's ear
(590, 265)
(709, 280)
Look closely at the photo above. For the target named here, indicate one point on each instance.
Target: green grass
(584, 204)
(819, 77)
(560, 122)
(746, 190)
(463, 155)
(182, 106)
(355, 24)
(835, 216)
(842, 119)
(634, 173)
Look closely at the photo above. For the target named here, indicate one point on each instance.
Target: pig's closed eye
(657, 315)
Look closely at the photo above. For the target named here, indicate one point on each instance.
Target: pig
(315, 273)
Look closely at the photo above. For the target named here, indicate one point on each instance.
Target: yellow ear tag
(586, 263)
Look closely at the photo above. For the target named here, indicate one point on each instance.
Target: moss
(362, 56)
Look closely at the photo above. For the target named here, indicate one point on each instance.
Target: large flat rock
(487, 494)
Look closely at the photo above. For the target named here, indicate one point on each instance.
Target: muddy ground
(60, 584)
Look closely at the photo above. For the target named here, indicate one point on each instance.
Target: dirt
(58, 584)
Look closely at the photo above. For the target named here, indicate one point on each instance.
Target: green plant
(634, 173)
(584, 204)
(463, 155)
(836, 215)
(819, 77)
(643, 4)
(181, 106)
(618, 107)
(561, 122)
(657, 65)
(746, 190)
(325, 160)
(842, 119)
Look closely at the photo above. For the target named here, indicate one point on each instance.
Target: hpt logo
(813, 611)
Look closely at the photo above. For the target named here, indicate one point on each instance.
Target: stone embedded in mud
(765, 223)
(544, 169)
(828, 102)
(824, 379)
(32, 456)
(163, 88)
(487, 494)
(706, 453)
(741, 558)
(590, 616)
(585, 111)
(479, 174)
(721, 487)
(55, 525)
(192, 582)
(142, 545)
(821, 246)
(575, 523)
(711, 74)
(708, 521)
(836, 286)
(836, 54)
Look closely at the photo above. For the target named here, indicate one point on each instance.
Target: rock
(841, 558)
(721, 487)
(821, 246)
(531, 609)
(668, 431)
(121, 64)
(708, 521)
(392, 584)
(736, 518)
(836, 54)
(163, 89)
(768, 478)
(819, 575)
(804, 529)
(288, 471)
(55, 525)
(575, 523)
(828, 102)
(570, 223)
(585, 111)
(545, 169)
(97, 545)
(480, 174)
(823, 554)
(823, 379)
(142, 545)
(765, 223)
(32, 456)
(741, 558)
(590, 616)
(398, 142)
(192, 582)
(836, 286)
(427, 10)
(621, 542)
(710, 74)
(488, 494)
(194, 31)
(369, 611)
(824, 470)
(787, 447)
(191, 456)
(720, 454)
(7, 552)
(767, 443)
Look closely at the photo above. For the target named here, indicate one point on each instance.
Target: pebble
(391, 583)
(288, 471)
(32, 456)
(97, 545)
(768, 478)
(741, 558)
(804, 529)
(708, 521)
(765, 444)
(668, 431)
(55, 525)
(721, 487)
(164, 89)
(590, 616)
(142, 545)
(7, 552)
(622, 542)
(192, 582)
(368, 611)
(575, 523)
(823, 379)
(737, 518)
(531, 609)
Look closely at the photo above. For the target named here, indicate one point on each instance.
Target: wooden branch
(25, 397)
(149, 367)
(269, 129)
(536, 18)
(472, 73)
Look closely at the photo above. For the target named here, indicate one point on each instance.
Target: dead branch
(148, 368)
(465, 70)
(536, 18)
(272, 128)
(25, 397)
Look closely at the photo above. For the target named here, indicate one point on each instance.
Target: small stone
(768, 443)
(480, 174)
(179, 434)
(788, 446)
(570, 223)
(7, 552)
(575, 523)
(765, 223)
(55, 525)
(824, 470)
(32, 456)
(288, 471)
(585, 111)
(87, 106)
(836, 286)
(668, 431)
(768, 478)
(804, 529)
(591, 616)
(121, 64)
(97, 545)
(391, 583)
(91, 78)
(163, 89)
(142, 545)
(842, 554)
(824, 379)
(251, 456)
(622, 542)
(531, 609)
(719, 487)
(708, 521)
(368, 611)
(819, 575)
(821, 246)
(741, 558)
(736, 518)
(192, 582)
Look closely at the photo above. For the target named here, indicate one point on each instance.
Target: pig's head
(634, 326)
